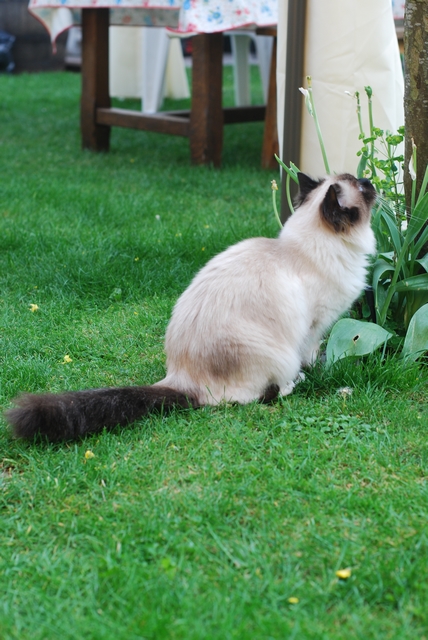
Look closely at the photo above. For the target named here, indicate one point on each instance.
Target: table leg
(95, 89)
(206, 115)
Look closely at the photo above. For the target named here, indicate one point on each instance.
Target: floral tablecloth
(398, 7)
(183, 16)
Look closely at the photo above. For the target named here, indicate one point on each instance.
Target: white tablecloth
(183, 16)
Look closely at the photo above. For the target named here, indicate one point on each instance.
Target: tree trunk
(416, 89)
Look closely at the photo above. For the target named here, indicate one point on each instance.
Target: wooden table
(203, 124)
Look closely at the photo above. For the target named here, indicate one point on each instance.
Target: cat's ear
(306, 185)
(340, 218)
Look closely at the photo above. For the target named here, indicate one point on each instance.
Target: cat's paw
(289, 386)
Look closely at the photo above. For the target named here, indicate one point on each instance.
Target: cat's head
(344, 202)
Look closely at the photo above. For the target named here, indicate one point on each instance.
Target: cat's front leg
(310, 352)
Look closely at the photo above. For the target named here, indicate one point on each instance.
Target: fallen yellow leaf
(344, 574)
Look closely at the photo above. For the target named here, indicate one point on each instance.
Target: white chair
(240, 41)
(146, 63)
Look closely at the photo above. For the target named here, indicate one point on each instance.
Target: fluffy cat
(251, 318)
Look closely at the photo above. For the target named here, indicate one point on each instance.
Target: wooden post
(270, 136)
(95, 89)
(206, 115)
(295, 50)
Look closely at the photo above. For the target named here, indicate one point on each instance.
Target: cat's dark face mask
(368, 190)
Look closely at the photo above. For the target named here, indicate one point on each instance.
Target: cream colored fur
(255, 314)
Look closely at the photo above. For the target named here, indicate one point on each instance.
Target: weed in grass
(202, 524)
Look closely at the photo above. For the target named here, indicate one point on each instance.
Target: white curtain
(348, 45)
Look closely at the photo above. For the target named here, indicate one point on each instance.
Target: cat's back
(231, 284)
(248, 261)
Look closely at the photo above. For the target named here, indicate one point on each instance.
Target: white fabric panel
(349, 44)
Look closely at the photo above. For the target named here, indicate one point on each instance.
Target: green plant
(351, 337)
(400, 288)
(292, 171)
(381, 158)
(399, 273)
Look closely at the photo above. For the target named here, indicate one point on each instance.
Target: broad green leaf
(415, 283)
(389, 219)
(377, 213)
(388, 256)
(418, 218)
(416, 342)
(362, 165)
(423, 186)
(380, 267)
(424, 262)
(423, 238)
(354, 338)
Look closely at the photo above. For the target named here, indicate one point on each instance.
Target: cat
(246, 325)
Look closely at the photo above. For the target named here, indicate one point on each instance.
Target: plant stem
(287, 191)
(360, 122)
(390, 154)
(275, 210)
(317, 125)
(369, 93)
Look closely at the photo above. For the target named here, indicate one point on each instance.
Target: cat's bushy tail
(74, 414)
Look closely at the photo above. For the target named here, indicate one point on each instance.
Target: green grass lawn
(200, 524)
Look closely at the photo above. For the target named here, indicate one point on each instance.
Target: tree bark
(416, 89)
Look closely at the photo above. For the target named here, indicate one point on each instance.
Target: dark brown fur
(339, 218)
(74, 414)
(306, 186)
